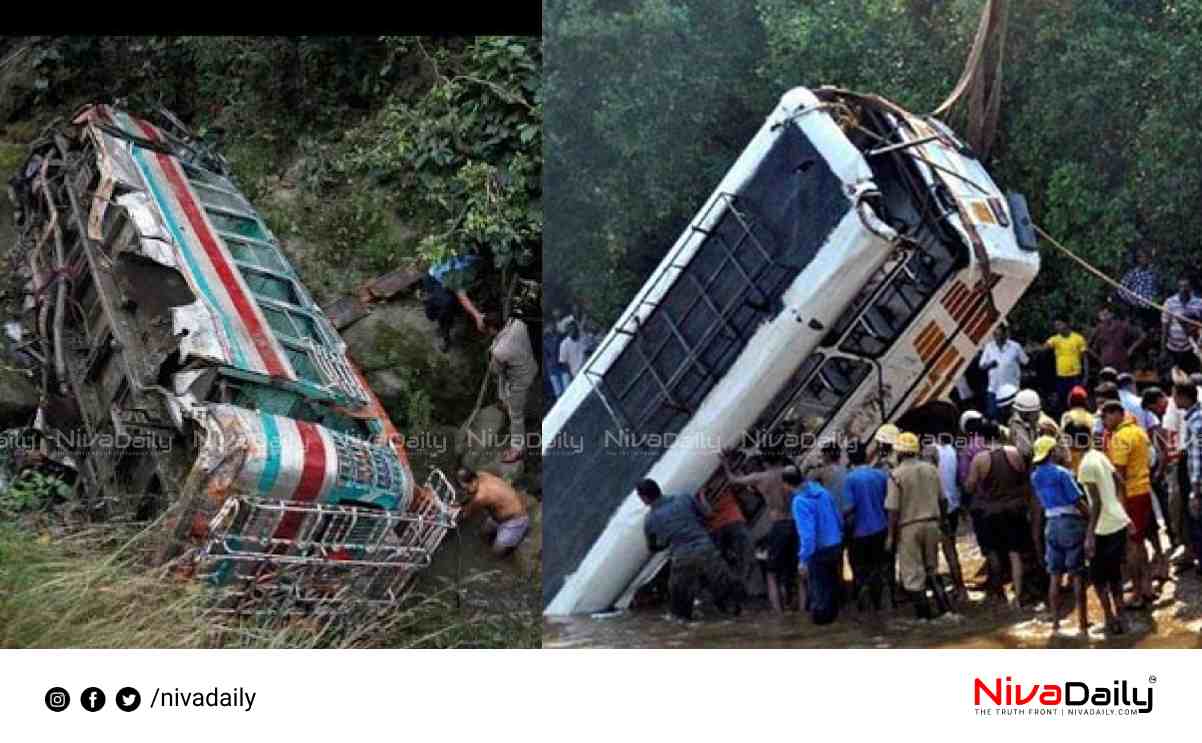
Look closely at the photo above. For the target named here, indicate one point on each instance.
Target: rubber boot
(922, 606)
(942, 602)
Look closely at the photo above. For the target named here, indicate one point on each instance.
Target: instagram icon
(57, 699)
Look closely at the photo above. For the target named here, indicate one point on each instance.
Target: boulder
(398, 335)
(18, 398)
(18, 82)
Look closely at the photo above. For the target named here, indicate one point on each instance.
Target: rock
(398, 335)
(18, 82)
(18, 399)
(432, 448)
(388, 385)
(485, 443)
(484, 432)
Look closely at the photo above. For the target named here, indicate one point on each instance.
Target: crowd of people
(568, 340)
(1061, 491)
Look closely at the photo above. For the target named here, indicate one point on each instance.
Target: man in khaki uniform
(515, 366)
(915, 508)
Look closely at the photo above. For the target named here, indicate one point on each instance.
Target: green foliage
(470, 145)
(650, 104)
(442, 134)
(33, 491)
(649, 111)
(11, 157)
(415, 412)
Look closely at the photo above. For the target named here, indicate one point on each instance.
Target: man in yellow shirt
(1069, 347)
(1129, 451)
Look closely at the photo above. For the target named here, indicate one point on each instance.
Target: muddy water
(1175, 621)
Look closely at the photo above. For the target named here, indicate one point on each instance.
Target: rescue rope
(1106, 279)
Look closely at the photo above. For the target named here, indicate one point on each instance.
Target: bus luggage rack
(282, 558)
(698, 328)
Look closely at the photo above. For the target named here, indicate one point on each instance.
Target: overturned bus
(191, 382)
(845, 271)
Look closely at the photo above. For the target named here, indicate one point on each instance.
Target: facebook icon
(92, 699)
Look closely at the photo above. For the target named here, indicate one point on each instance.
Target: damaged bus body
(845, 271)
(191, 379)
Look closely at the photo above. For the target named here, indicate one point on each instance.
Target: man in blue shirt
(820, 534)
(864, 491)
(677, 524)
(1066, 513)
(444, 291)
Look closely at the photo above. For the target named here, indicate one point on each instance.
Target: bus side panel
(786, 211)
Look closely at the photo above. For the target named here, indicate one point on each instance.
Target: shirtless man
(507, 522)
(782, 537)
(1000, 483)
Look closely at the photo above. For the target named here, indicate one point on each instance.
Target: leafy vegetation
(32, 491)
(652, 100)
(378, 150)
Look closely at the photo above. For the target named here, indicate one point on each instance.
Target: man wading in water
(677, 523)
(781, 540)
(915, 509)
(1002, 492)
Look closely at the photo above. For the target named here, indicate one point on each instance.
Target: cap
(967, 416)
(1043, 446)
(1005, 395)
(1027, 401)
(887, 434)
(1077, 395)
(907, 443)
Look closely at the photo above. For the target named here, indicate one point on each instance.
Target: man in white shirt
(1105, 540)
(1133, 403)
(1003, 358)
(571, 350)
(1173, 421)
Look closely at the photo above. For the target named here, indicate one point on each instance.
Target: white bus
(846, 270)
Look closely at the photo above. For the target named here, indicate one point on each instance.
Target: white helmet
(967, 416)
(1027, 401)
(1006, 394)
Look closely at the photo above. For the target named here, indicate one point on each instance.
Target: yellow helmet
(887, 434)
(907, 443)
(1043, 446)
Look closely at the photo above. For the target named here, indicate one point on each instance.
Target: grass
(11, 157)
(91, 589)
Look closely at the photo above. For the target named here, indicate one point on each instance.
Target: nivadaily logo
(1064, 698)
